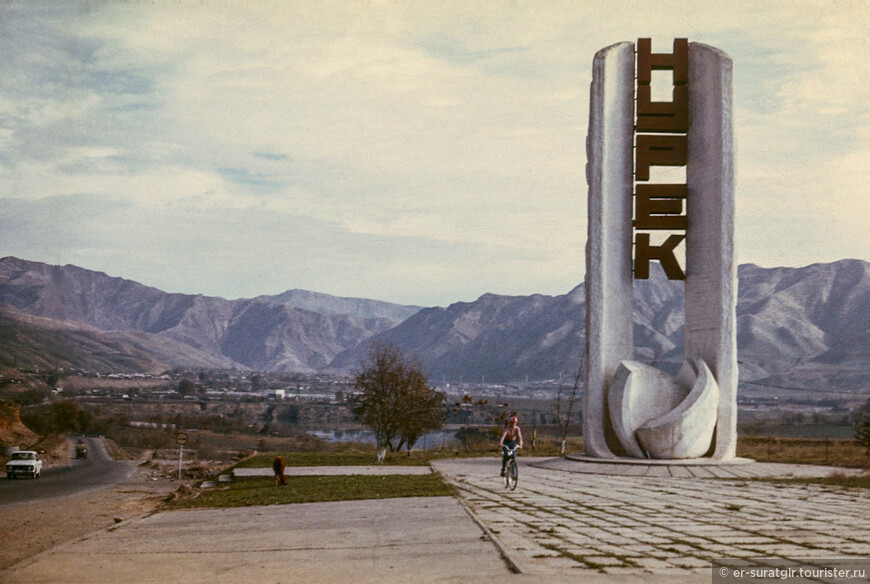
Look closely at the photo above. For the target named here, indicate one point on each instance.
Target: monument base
(660, 462)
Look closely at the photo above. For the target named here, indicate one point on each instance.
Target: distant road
(96, 471)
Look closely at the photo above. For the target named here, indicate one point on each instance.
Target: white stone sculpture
(655, 416)
(678, 423)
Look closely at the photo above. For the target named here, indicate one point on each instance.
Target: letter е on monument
(660, 206)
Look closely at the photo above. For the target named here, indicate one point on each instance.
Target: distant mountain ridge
(795, 325)
(496, 338)
(259, 334)
(327, 304)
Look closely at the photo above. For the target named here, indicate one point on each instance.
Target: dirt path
(27, 529)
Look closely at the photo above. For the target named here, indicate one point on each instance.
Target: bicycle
(511, 472)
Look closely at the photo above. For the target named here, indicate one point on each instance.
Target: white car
(24, 463)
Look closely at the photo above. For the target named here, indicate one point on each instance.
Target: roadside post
(181, 439)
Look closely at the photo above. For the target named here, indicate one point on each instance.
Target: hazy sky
(416, 152)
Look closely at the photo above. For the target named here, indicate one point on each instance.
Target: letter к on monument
(702, 108)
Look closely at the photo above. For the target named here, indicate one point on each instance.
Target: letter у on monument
(661, 140)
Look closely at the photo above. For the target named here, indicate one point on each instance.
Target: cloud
(444, 141)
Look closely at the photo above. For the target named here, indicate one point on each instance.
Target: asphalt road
(96, 471)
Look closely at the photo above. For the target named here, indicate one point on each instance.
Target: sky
(414, 152)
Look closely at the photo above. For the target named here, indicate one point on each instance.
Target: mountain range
(807, 326)
(263, 333)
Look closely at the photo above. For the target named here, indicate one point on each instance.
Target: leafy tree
(52, 377)
(186, 387)
(421, 409)
(395, 399)
(31, 397)
(63, 417)
(289, 414)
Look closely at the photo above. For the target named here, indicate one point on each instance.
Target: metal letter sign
(662, 143)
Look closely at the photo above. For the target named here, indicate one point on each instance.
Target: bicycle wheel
(512, 475)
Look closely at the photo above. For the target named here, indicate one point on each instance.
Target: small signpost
(181, 439)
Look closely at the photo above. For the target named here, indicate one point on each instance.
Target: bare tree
(395, 399)
(565, 407)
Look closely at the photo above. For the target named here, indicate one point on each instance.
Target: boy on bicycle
(511, 438)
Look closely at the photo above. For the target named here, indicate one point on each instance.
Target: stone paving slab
(676, 525)
(739, 468)
(298, 471)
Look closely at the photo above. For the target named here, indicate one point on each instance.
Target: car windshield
(23, 456)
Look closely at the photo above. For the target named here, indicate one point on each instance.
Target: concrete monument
(630, 408)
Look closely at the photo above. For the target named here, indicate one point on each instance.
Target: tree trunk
(411, 442)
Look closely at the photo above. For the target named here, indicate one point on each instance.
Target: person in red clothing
(511, 438)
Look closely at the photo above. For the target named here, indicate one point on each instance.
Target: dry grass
(838, 479)
(317, 489)
(832, 452)
(547, 446)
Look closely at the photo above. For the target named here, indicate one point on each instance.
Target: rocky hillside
(795, 325)
(494, 338)
(326, 304)
(32, 342)
(12, 431)
(259, 333)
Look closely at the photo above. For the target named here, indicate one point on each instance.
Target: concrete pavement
(564, 523)
(564, 519)
(391, 540)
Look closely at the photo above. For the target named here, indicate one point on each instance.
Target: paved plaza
(567, 521)
(561, 521)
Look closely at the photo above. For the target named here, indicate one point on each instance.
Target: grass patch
(357, 455)
(317, 489)
(592, 564)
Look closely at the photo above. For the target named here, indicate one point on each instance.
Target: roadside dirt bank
(27, 529)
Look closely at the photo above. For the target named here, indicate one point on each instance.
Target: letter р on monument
(630, 408)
